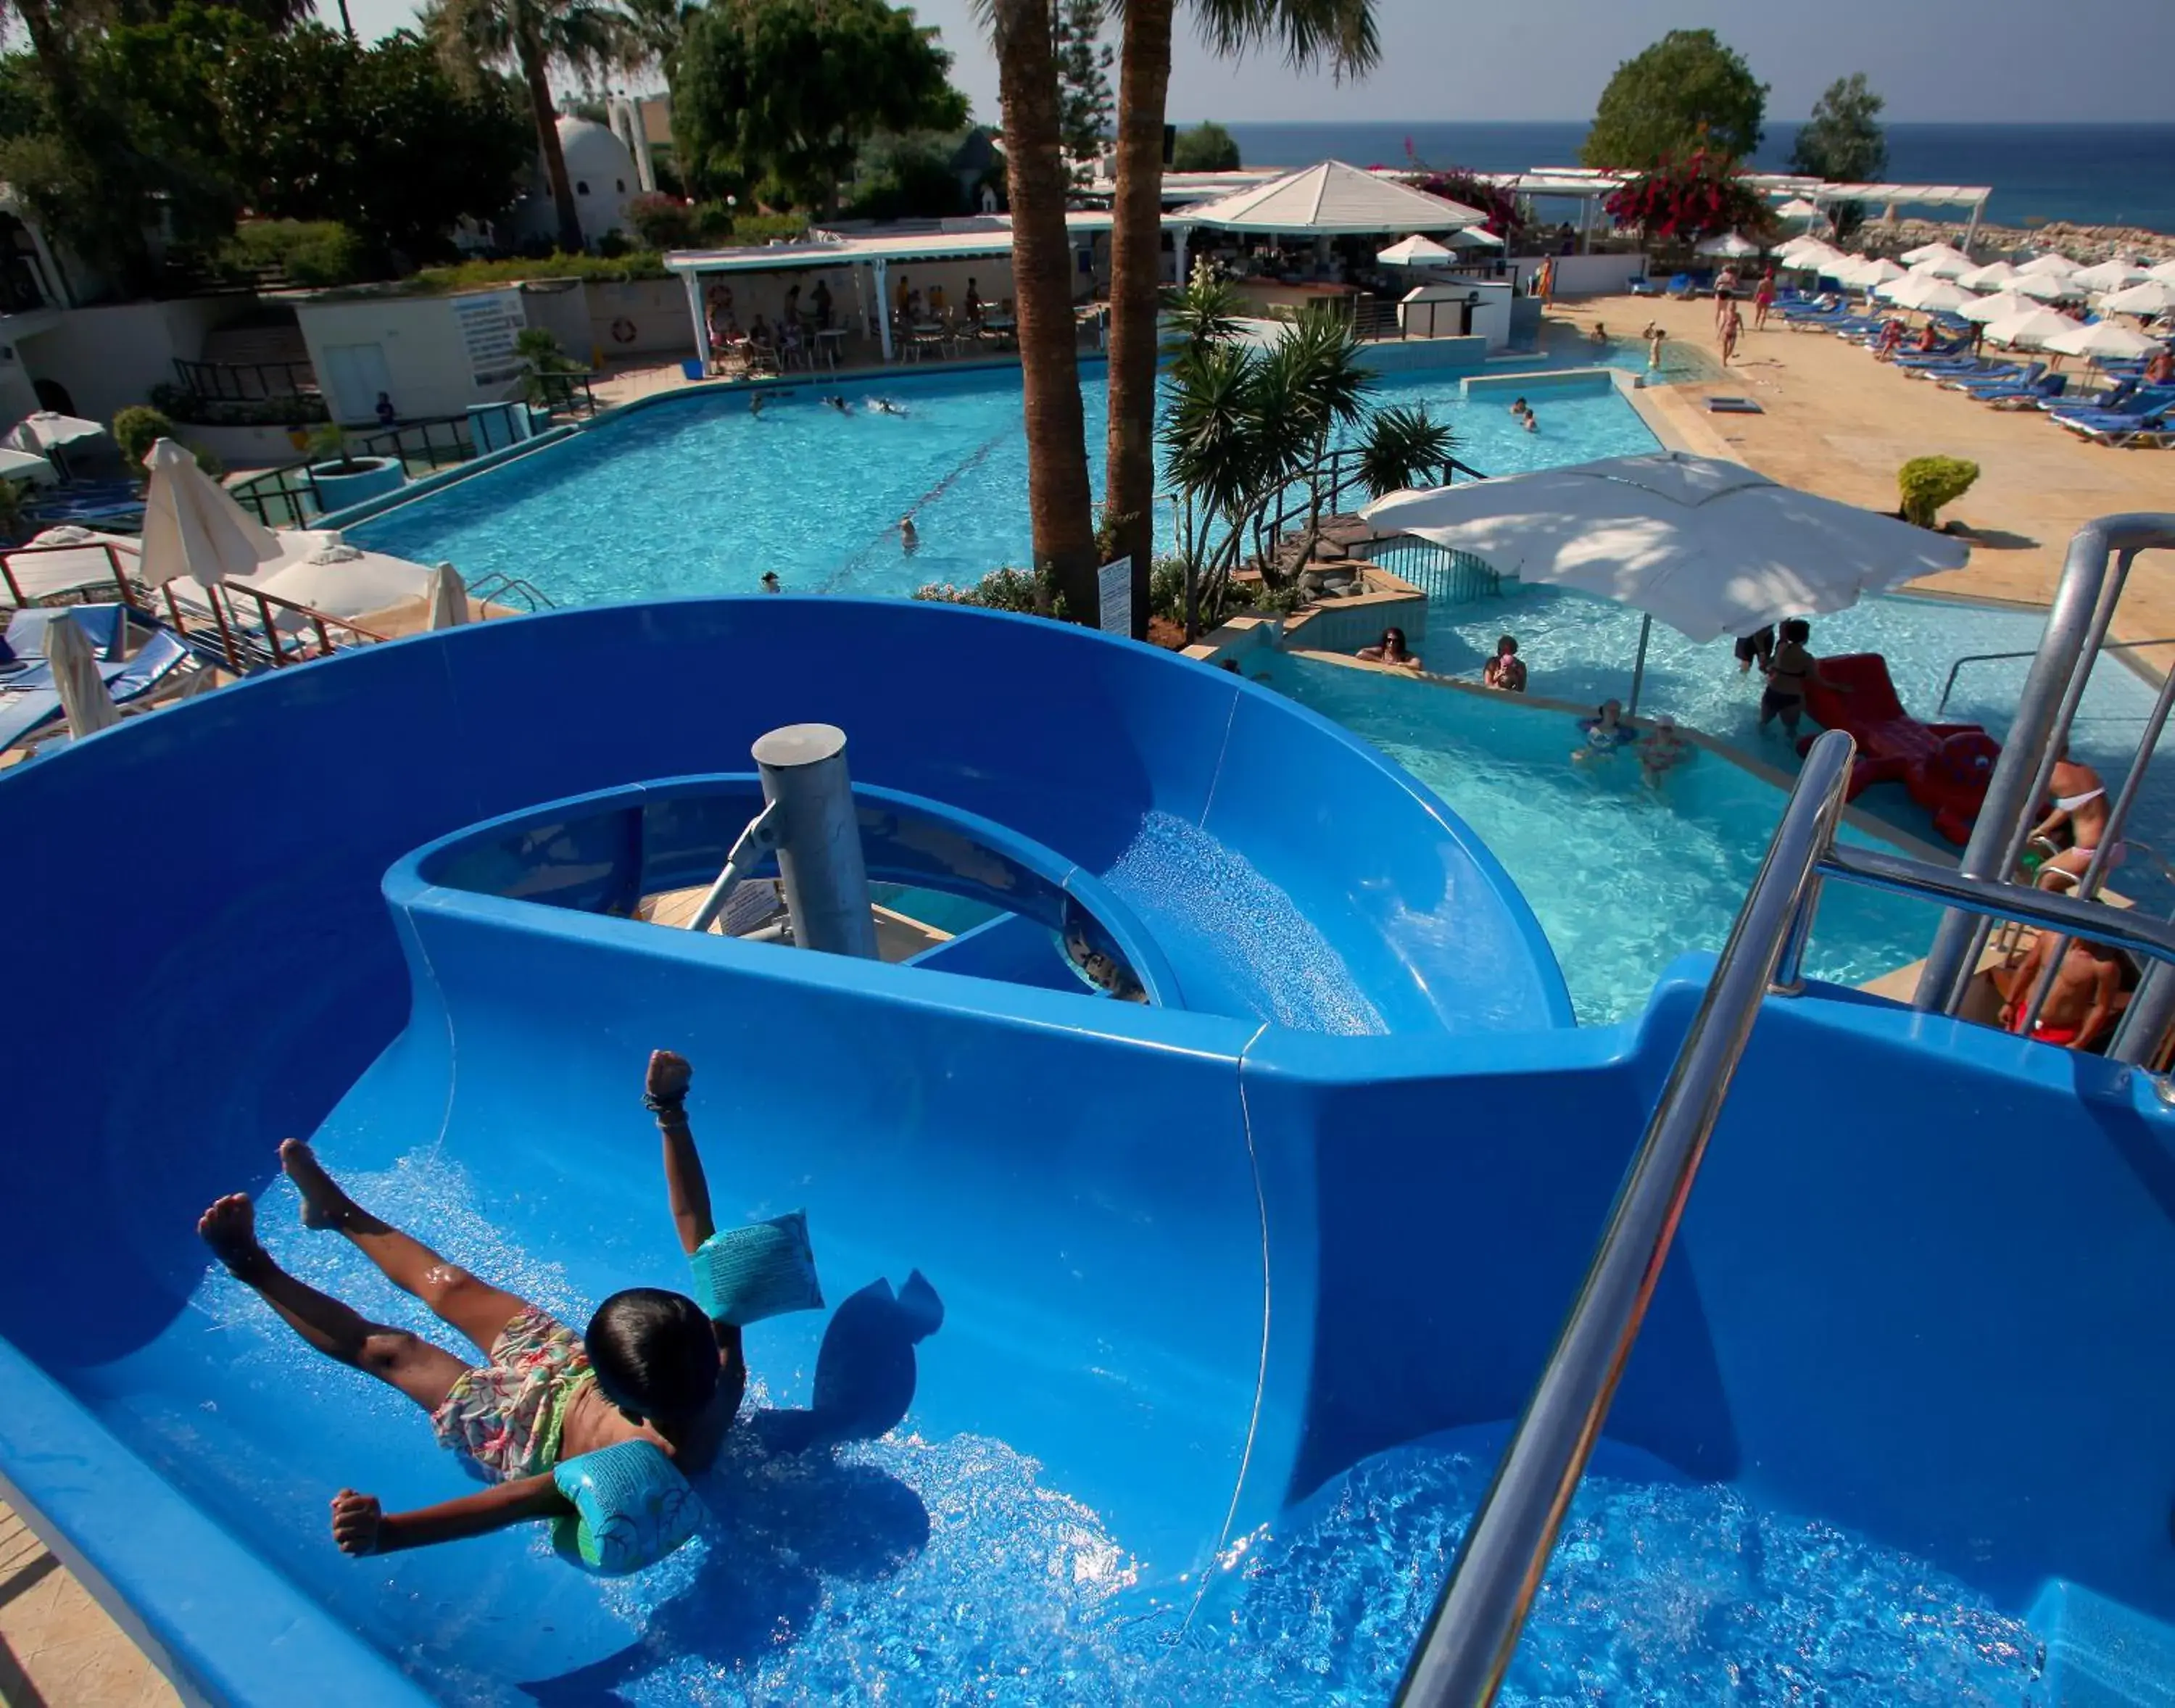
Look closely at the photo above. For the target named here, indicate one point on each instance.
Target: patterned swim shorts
(505, 1415)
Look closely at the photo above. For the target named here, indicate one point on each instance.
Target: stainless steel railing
(1466, 1649)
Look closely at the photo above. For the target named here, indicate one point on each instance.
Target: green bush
(186, 407)
(1029, 591)
(751, 230)
(136, 429)
(1166, 589)
(468, 275)
(1927, 483)
(713, 223)
(314, 253)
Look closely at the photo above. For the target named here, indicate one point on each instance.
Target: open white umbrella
(1472, 237)
(2048, 287)
(1868, 273)
(1414, 251)
(1940, 260)
(1797, 208)
(193, 528)
(45, 429)
(2029, 329)
(2059, 266)
(1995, 275)
(1711, 547)
(1923, 291)
(2003, 305)
(85, 702)
(327, 574)
(2147, 297)
(69, 559)
(1811, 254)
(2165, 272)
(2107, 275)
(2103, 340)
(1728, 245)
(26, 465)
(449, 598)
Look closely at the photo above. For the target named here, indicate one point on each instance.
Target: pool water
(1623, 878)
(1581, 649)
(698, 496)
(936, 1569)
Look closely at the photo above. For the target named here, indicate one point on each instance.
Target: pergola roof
(1331, 197)
(956, 240)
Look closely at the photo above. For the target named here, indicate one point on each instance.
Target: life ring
(622, 330)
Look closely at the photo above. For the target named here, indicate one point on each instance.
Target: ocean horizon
(2089, 173)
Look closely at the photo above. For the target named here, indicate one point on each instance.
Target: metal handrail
(1466, 1647)
(1949, 687)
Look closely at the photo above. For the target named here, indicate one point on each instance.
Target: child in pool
(1605, 733)
(650, 1367)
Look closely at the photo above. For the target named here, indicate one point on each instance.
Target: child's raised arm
(690, 1193)
(360, 1525)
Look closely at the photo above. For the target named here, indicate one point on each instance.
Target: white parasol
(2029, 329)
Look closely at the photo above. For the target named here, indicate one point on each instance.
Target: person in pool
(835, 402)
(1507, 671)
(1389, 650)
(1757, 647)
(909, 536)
(1605, 732)
(770, 582)
(650, 1367)
(1787, 674)
(1663, 749)
(1598, 334)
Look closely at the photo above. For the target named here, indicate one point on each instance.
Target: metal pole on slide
(803, 767)
(1639, 668)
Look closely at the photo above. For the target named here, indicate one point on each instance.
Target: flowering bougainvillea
(1682, 201)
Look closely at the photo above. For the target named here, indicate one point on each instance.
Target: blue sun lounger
(2121, 427)
(29, 700)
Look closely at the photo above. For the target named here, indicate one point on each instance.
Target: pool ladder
(1466, 1648)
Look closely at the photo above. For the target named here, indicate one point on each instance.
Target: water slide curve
(1324, 1192)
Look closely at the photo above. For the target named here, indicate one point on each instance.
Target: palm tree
(1058, 505)
(1341, 32)
(586, 37)
(1403, 446)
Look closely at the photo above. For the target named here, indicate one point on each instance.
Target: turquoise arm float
(631, 1508)
(743, 1275)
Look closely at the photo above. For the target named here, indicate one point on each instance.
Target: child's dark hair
(653, 1352)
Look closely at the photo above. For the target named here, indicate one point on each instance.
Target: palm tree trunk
(347, 24)
(530, 53)
(1135, 278)
(1058, 502)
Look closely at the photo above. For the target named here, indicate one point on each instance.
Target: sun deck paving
(1838, 423)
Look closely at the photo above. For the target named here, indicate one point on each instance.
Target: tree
(1506, 214)
(1403, 446)
(1084, 101)
(1843, 142)
(583, 36)
(783, 94)
(1311, 32)
(1206, 146)
(1682, 201)
(1686, 92)
(1058, 500)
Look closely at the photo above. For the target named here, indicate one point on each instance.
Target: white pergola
(956, 240)
(1328, 199)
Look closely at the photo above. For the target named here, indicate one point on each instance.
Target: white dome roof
(594, 154)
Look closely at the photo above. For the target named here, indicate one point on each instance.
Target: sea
(2092, 175)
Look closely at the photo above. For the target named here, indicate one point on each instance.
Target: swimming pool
(1623, 878)
(1581, 649)
(697, 495)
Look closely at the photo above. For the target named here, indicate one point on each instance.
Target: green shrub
(1928, 483)
(314, 253)
(1278, 601)
(136, 429)
(1166, 589)
(712, 223)
(1029, 591)
(662, 222)
(750, 229)
(468, 275)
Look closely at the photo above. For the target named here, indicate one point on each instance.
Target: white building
(605, 180)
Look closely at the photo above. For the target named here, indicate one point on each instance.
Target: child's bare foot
(323, 1204)
(230, 1228)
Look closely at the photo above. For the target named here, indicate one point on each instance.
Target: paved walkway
(58, 1647)
(1838, 423)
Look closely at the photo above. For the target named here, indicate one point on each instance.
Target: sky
(1444, 60)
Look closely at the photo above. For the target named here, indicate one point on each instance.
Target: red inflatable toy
(1946, 766)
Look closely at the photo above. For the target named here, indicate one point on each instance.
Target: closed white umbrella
(2058, 266)
(2048, 287)
(193, 528)
(449, 598)
(2107, 275)
(1995, 275)
(85, 701)
(1711, 547)
(2003, 305)
(2031, 328)
(1730, 246)
(1414, 251)
(2103, 340)
(45, 428)
(2147, 297)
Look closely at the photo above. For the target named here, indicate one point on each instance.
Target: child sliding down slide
(650, 1389)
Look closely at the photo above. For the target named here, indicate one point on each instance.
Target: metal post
(2077, 618)
(2145, 1021)
(694, 283)
(819, 838)
(1639, 668)
(877, 270)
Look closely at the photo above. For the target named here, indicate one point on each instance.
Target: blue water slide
(1324, 1195)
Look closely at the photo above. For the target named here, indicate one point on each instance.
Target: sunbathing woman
(651, 1367)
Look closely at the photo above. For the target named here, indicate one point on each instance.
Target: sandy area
(1838, 423)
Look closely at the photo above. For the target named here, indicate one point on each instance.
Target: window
(581, 187)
